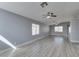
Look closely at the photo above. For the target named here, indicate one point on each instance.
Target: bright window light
(35, 29)
(69, 29)
(37, 32)
(6, 42)
(58, 28)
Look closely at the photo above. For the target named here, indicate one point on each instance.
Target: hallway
(51, 46)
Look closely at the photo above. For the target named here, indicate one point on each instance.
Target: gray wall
(74, 36)
(65, 29)
(18, 29)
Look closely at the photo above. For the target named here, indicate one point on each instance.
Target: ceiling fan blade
(54, 16)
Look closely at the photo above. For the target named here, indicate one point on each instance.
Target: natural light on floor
(6, 42)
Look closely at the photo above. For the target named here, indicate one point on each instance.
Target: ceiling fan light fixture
(48, 17)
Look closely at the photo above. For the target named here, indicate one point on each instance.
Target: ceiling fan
(49, 15)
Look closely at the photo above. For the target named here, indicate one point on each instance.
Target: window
(58, 28)
(69, 29)
(35, 29)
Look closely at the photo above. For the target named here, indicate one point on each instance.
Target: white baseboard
(59, 35)
(29, 42)
(26, 43)
(74, 41)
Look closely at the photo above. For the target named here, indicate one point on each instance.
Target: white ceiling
(63, 10)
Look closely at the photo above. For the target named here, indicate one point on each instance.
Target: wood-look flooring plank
(51, 46)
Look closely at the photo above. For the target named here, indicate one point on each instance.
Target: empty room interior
(39, 29)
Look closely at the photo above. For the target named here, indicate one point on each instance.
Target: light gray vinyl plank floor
(51, 46)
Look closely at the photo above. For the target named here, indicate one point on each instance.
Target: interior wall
(18, 29)
(65, 29)
(74, 36)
